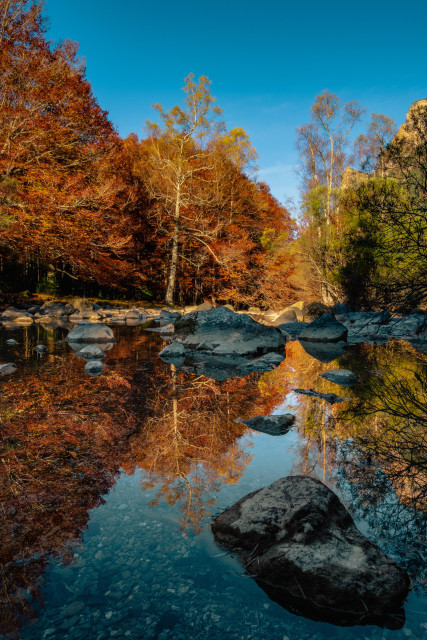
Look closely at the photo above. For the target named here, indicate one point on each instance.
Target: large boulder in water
(223, 332)
(304, 549)
(324, 329)
(89, 332)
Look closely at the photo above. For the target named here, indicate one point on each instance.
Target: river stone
(89, 332)
(304, 549)
(57, 309)
(272, 425)
(12, 314)
(324, 329)
(344, 377)
(132, 315)
(40, 348)
(227, 333)
(266, 362)
(173, 351)
(332, 398)
(167, 315)
(94, 367)
(7, 368)
(11, 341)
(324, 351)
(292, 330)
(91, 352)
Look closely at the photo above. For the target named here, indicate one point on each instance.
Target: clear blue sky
(267, 61)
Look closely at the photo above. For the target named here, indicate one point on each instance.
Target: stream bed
(109, 485)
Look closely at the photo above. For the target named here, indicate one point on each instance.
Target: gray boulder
(7, 369)
(304, 549)
(266, 362)
(344, 377)
(91, 352)
(169, 316)
(224, 332)
(292, 330)
(272, 425)
(17, 315)
(173, 351)
(324, 329)
(132, 315)
(57, 309)
(89, 332)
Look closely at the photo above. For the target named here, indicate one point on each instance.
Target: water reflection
(66, 436)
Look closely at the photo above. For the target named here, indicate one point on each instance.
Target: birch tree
(179, 155)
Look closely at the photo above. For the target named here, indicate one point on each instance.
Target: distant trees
(363, 238)
(323, 146)
(385, 241)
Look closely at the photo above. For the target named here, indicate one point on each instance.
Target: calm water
(109, 484)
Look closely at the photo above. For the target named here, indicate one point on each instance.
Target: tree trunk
(174, 254)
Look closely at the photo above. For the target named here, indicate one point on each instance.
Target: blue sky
(267, 61)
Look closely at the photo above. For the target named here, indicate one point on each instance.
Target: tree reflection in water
(191, 444)
(372, 450)
(66, 436)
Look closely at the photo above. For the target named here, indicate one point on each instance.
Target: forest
(178, 215)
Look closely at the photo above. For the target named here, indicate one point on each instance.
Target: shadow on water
(66, 437)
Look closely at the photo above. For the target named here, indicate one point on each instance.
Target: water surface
(109, 485)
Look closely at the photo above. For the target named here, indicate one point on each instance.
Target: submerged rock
(94, 367)
(304, 549)
(224, 332)
(324, 329)
(332, 398)
(40, 348)
(344, 377)
(88, 332)
(272, 425)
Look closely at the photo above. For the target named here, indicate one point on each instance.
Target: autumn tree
(178, 156)
(65, 187)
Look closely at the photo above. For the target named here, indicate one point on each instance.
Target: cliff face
(411, 133)
(414, 125)
(353, 178)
